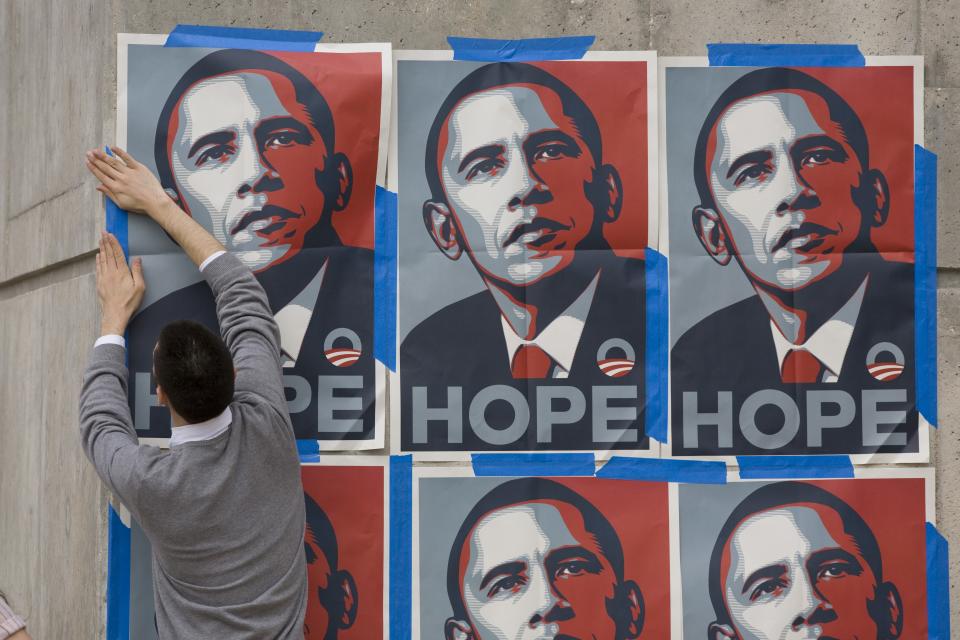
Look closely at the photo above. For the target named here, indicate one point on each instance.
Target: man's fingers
(116, 252)
(138, 273)
(101, 176)
(105, 191)
(126, 157)
(106, 167)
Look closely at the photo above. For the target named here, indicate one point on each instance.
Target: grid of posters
(530, 198)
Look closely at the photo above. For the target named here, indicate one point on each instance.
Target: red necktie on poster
(801, 367)
(530, 361)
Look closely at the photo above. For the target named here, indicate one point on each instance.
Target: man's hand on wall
(128, 183)
(119, 287)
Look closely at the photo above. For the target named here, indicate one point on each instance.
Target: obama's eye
(216, 153)
(508, 584)
(485, 167)
(768, 589)
(549, 152)
(753, 174)
(283, 138)
(835, 570)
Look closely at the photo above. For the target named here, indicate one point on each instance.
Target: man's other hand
(128, 183)
(119, 288)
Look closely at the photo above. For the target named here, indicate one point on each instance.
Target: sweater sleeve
(249, 330)
(106, 428)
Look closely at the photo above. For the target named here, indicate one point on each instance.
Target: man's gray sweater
(225, 516)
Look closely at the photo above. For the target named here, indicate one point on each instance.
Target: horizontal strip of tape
(659, 470)
(533, 464)
(784, 55)
(211, 37)
(530, 49)
(761, 467)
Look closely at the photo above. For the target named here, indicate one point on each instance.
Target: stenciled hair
(194, 368)
(320, 530)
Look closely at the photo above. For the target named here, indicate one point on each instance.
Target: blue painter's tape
(117, 220)
(309, 450)
(209, 37)
(938, 585)
(385, 279)
(657, 470)
(401, 545)
(925, 279)
(785, 55)
(759, 467)
(118, 577)
(656, 362)
(490, 50)
(533, 464)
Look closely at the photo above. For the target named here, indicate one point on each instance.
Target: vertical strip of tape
(117, 220)
(925, 279)
(401, 545)
(530, 49)
(656, 361)
(118, 577)
(938, 585)
(210, 37)
(784, 55)
(385, 279)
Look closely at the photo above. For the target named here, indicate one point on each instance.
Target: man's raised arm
(246, 321)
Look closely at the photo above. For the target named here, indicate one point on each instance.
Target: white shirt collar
(560, 338)
(829, 343)
(294, 318)
(202, 430)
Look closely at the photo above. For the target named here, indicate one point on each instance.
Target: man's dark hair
(194, 368)
(523, 490)
(499, 74)
(320, 530)
(230, 61)
(771, 80)
(786, 494)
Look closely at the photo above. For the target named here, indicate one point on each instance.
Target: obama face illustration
(245, 144)
(535, 560)
(795, 562)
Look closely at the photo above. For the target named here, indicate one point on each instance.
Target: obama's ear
(887, 610)
(605, 192)
(342, 176)
(440, 224)
(712, 235)
(873, 198)
(344, 610)
(717, 631)
(455, 629)
(627, 609)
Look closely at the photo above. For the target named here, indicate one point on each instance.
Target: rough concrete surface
(57, 82)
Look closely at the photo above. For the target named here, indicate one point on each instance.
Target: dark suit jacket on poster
(733, 350)
(462, 345)
(345, 300)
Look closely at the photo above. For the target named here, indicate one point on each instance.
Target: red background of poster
(894, 509)
(639, 513)
(350, 83)
(616, 93)
(352, 498)
(883, 98)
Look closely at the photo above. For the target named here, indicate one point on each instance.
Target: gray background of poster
(703, 510)
(423, 87)
(152, 72)
(698, 285)
(444, 503)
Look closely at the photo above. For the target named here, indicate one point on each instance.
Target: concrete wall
(57, 84)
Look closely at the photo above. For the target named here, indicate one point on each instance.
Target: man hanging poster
(278, 154)
(524, 212)
(791, 246)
